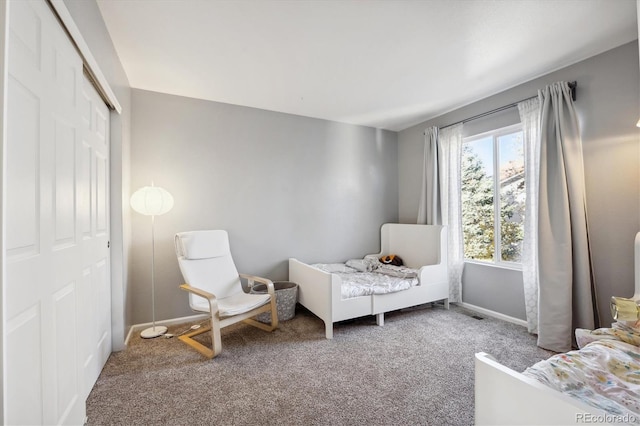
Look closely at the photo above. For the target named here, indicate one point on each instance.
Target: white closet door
(93, 207)
(57, 300)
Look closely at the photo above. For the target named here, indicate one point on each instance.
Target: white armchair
(215, 287)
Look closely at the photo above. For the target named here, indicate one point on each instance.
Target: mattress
(357, 283)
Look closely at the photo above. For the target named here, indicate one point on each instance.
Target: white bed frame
(506, 397)
(422, 247)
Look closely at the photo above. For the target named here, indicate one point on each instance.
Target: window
(493, 196)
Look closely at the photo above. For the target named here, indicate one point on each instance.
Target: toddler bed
(324, 290)
(600, 383)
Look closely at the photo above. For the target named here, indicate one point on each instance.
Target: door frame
(4, 39)
(90, 63)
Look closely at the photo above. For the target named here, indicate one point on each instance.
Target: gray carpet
(416, 370)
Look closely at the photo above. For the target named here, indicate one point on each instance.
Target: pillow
(333, 268)
(363, 265)
(630, 326)
(624, 332)
(196, 245)
(585, 336)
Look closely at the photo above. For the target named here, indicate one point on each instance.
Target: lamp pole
(152, 201)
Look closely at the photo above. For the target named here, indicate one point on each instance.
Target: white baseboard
(492, 314)
(139, 327)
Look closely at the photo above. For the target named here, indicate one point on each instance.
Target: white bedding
(367, 278)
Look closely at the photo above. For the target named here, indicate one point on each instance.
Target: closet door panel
(65, 185)
(57, 289)
(66, 393)
(93, 187)
(23, 337)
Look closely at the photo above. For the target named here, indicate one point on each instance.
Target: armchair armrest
(211, 298)
(197, 291)
(252, 278)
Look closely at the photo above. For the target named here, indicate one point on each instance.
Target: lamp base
(152, 332)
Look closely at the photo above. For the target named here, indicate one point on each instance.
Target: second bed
(423, 249)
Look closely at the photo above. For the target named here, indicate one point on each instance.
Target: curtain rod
(572, 85)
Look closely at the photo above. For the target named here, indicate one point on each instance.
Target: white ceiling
(385, 63)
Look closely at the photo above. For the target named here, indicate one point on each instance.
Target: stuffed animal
(391, 259)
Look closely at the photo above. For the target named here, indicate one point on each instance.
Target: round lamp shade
(151, 201)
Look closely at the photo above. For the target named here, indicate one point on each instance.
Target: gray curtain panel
(566, 292)
(429, 210)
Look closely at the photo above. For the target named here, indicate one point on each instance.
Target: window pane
(477, 199)
(512, 196)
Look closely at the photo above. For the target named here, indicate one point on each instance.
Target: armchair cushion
(236, 304)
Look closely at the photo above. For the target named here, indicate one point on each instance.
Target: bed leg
(328, 330)
(380, 319)
(446, 303)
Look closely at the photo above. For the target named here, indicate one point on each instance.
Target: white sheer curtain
(429, 207)
(566, 286)
(530, 118)
(450, 151)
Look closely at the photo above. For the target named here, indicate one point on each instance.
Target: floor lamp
(152, 201)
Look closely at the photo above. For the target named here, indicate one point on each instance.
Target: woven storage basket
(286, 298)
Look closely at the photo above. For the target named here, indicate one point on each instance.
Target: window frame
(497, 231)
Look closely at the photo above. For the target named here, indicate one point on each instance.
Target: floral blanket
(605, 373)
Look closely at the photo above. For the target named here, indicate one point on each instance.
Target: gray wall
(87, 17)
(607, 104)
(281, 185)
